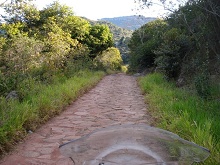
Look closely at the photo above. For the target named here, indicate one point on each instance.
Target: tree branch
(1, 4)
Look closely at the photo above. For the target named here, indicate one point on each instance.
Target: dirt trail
(116, 99)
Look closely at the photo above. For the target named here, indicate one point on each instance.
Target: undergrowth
(191, 117)
(42, 103)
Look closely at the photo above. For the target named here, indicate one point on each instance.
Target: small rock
(30, 131)
(137, 74)
(180, 82)
(13, 95)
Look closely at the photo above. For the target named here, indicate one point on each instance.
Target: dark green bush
(202, 84)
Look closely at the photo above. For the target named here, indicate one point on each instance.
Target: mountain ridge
(131, 22)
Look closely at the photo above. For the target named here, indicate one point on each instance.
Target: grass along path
(185, 114)
(17, 118)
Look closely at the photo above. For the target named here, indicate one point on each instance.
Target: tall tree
(78, 27)
(99, 39)
(14, 9)
(143, 42)
(55, 10)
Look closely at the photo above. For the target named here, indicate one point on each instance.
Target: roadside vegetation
(184, 46)
(184, 113)
(41, 103)
(48, 58)
(181, 54)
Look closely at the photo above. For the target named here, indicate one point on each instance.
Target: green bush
(202, 84)
(109, 59)
(78, 59)
(143, 43)
(142, 56)
(170, 54)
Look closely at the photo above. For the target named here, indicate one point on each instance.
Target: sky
(97, 9)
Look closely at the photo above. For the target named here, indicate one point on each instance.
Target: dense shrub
(186, 41)
(170, 54)
(143, 43)
(109, 59)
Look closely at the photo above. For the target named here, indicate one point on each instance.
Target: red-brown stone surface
(115, 100)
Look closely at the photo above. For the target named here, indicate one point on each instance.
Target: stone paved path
(116, 99)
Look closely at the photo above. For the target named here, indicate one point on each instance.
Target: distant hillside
(122, 29)
(129, 22)
(121, 37)
(117, 31)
